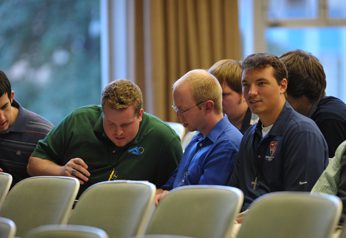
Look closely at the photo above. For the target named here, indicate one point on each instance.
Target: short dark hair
(306, 76)
(5, 85)
(263, 60)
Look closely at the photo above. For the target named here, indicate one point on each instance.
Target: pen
(111, 175)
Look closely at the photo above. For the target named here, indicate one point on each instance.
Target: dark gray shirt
(18, 142)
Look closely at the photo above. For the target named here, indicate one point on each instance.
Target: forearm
(37, 166)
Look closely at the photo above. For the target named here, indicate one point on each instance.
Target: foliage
(50, 50)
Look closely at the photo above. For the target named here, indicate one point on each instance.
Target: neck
(210, 123)
(238, 121)
(270, 119)
(14, 115)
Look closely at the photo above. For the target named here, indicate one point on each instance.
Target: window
(50, 50)
(317, 26)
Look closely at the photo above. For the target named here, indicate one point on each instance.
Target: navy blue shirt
(291, 157)
(210, 159)
(330, 117)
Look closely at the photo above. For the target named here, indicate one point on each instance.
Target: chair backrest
(342, 232)
(291, 214)
(66, 231)
(40, 200)
(5, 184)
(197, 211)
(121, 208)
(7, 228)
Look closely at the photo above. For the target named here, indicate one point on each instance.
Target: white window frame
(253, 17)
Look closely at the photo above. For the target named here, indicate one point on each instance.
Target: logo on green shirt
(136, 150)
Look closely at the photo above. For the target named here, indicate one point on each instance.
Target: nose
(252, 90)
(118, 131)
(2, 116)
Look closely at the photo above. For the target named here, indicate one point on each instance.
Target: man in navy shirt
(209, 157)
(306, 93)
(284, 151)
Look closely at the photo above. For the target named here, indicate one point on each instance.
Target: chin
(4, 128)
(191, 129)
(120, 143)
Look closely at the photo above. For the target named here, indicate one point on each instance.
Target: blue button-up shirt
(210, 159)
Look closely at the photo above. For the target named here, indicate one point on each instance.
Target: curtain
(167, 38)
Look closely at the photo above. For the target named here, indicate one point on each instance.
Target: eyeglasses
(181, 111)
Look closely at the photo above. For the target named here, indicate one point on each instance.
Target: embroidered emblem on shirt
(136, 150)
(272, 149)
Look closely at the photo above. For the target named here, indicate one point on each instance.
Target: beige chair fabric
(292, 214)
(66, 231)
(341, 233)
(121, 208)
(201, 211)
(40, 200)
(7, 228)
(5, 184)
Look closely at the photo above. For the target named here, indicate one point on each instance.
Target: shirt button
(114, 151)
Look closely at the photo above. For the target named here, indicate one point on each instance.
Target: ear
(140, 114)
(283, 86)
(209, 105)
(12, 96)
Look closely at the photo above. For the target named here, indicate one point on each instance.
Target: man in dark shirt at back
(306, 93)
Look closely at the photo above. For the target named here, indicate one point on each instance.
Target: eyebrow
(4, 105)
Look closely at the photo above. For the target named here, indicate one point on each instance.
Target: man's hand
(240, 218)
(76, 167)
(160, 193)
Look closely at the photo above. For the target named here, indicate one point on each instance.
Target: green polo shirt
(152, 156)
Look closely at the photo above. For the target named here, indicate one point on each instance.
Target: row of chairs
(126, 209)
(120, 208)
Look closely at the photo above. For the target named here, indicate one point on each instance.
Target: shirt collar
(20, 122)
(217, 130)
(279, 124)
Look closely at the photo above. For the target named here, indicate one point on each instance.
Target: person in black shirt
(306, 94)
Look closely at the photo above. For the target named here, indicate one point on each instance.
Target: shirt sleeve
(233, 180)
(171, 155)
(52, 147)
(334, 133)
(306, 156)
(218, 165)
(169, 184)
(330, 178)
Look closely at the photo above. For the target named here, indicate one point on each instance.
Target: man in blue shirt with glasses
(209, 157)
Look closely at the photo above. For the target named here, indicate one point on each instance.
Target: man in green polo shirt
(115, 140)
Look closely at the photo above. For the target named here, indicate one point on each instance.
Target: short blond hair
(204, 86)
(122, 93)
